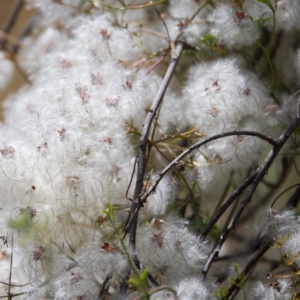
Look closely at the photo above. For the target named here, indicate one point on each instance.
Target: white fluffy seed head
(232, 24)
(222, 96)
(287, 15)
(280, 290)
(177, 21)
(169, 251)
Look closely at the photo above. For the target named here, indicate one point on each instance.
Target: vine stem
(131, 226)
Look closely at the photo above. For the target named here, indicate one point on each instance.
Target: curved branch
(226, 204)
(201, 143)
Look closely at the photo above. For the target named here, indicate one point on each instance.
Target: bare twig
(262, 201)
(199, 9)
(226, 204)
(160, 60)
(103, 286)
(260, 174)
(286, 190)
(142, 160)
(198, 145)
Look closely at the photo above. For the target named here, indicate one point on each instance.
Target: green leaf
(22, 222)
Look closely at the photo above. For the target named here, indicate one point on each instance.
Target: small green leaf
(20, 223)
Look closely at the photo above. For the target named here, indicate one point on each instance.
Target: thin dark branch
(234, 288)
(11, 21)
(199, 9)
(262, 201)
(294, 200)
(142, 161)
(103, 286)
(260, 174)
(201, 143)
(11, 296)
(226, 204)
(282, 193)
(153, 280)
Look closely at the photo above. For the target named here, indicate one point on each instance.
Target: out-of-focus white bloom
(6, 70)
(35, 48)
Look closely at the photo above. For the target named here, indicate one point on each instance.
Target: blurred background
(24, 16)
